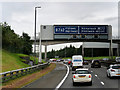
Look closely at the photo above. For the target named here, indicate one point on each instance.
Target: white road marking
(60, 84)
(102, 83)
(95, 75)
(103, 67)
(99, 79)
(91, 71)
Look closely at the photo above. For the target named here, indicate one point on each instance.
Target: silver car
(113, 70)
(65, 61)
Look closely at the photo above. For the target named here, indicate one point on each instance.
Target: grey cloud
(111, 19)
(54, 12)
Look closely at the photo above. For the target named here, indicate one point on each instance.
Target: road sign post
(111, 49)
(40, 46)
(46, 51)
(83, 49)
(118, 49)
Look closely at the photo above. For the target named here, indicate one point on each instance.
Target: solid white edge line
(102, 83)
(59, 85)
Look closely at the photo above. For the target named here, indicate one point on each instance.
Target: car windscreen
(116, 67)
(76, 60)
(82, 72)
(96, 62)
(118, 58)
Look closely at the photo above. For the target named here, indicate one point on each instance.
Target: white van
(77, 62)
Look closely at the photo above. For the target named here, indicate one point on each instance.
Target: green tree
(13, 42)
(27, 44)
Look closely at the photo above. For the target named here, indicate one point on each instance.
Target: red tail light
(89, 76)
(112, 70)
(74, 76)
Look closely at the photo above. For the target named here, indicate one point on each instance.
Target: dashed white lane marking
(99, 79)
(102, 83)
(95, 75)
(60, 84)
(103, 67)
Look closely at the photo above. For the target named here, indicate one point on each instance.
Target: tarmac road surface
(50, 80)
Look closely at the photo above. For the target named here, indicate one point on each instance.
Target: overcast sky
(20, 15)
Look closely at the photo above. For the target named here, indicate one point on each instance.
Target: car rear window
(82, 72)
(116, 67)
(96, 61)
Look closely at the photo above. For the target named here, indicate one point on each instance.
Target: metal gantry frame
(35, 35)
(47, 42)
(40, 45)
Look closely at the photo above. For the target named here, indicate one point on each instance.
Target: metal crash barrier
(9, 75)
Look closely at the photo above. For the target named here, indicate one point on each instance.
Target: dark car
(95, 63)
(85, 63)
(61, 60)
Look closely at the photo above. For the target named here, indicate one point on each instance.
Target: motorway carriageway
(54, 78)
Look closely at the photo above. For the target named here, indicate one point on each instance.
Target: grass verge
(22, 81)
(91, 58)
(10, 61)
(31, 58)
(99, 58)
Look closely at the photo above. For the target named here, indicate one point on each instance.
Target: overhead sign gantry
(56, 34)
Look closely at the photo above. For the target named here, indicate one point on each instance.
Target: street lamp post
(35, 34)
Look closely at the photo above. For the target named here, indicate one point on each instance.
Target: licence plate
(75, 67)
(81, 76)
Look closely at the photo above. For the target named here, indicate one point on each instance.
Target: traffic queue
(84, 75)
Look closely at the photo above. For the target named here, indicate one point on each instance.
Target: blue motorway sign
(92, 29)
(66, 30)
(83, 29)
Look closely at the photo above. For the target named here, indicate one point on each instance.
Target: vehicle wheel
(110, 76)
(74, 84)
(73, 69)
(99, 66)
(107, 75)
(91, 66)
(90, 83)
